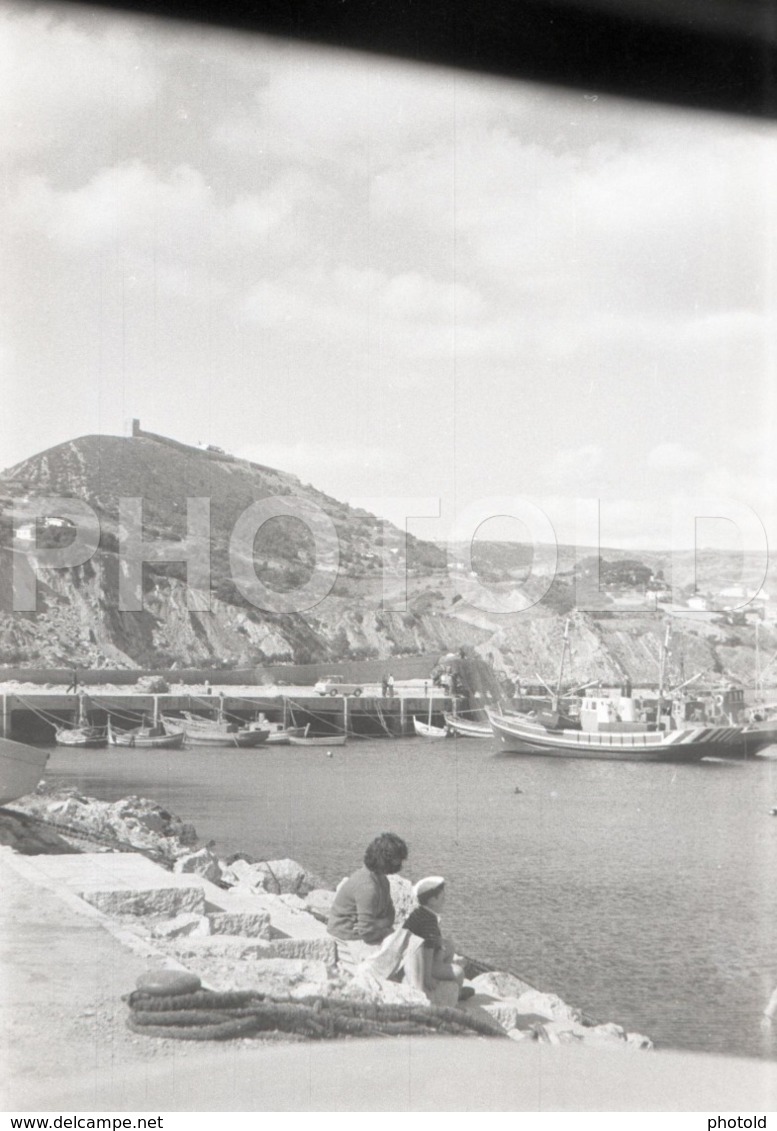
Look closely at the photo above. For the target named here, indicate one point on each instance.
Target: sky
(398, 282)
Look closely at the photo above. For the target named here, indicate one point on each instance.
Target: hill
(78, 619)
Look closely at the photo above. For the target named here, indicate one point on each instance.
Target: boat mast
(757, 661)
(662, 674)
(564, 647)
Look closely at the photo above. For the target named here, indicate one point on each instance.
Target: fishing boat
(278, 733)
(468, 728)
(82, 733)
(427, 730)
(21, 768)
(318, 740)
(199, 731)
(157, 736)
(609, 730)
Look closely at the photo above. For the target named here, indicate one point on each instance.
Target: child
(434, 968)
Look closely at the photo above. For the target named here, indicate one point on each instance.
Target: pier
(31, 716)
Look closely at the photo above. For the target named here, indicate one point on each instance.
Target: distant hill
(78, 620)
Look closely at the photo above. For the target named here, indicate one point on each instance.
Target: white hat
(429, 883)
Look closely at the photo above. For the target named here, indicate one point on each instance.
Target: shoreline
(67, 1048)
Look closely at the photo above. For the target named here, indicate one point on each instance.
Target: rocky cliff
(78, 620)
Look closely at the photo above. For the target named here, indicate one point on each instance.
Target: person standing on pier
(390, 686)
(73, 685)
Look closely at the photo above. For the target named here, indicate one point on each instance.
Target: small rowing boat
(318, 740)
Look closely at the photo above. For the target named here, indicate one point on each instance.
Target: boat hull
(521, 735)
(467, 728)
(426, 730)
(173, 740)
(318, 740)
(21, 768)
(243, 739)
(80, 736)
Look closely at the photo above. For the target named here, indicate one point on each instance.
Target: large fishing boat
(610, 729)
(21, 767)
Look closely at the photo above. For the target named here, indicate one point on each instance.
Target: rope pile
(194, 1014)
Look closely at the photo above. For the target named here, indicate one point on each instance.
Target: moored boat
(468, 728)
(278, 733)
(82, 733)
(157, 736)
(199, 731)
(21, 767)
(318, 740)
(427, 730)
(606, 734)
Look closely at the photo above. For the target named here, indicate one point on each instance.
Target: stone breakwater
(243, 924)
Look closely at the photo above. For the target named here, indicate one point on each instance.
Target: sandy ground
(64, 1047)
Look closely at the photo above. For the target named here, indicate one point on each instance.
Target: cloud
(673, 456)
(131, 207)
(311, 459)
(408, 315)
(59, 76)
(575, 465)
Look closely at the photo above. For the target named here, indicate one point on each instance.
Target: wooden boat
(21, 768)
(81, 733)
(199, 731)
(615, 738)
(278, 733)
(468, 728)
(426, 730)
(157, 736)
(318, 740)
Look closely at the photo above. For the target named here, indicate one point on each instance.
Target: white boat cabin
(613, 712)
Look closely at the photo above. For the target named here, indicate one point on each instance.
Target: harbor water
(643, 894)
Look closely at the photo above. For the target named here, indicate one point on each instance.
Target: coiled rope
(206, 1015)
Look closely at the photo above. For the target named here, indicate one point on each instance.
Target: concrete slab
(123, 883)
(286, 922)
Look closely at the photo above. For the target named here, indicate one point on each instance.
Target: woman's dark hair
(386, 854)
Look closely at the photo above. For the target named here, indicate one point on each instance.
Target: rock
(253, 924)
(402, 897)
(294, 901)
(167, 899)
(319, 903)
(366, 986)
(153, 685)
(497, 983)
(507, 1013)
(638, 1041)
(203, 863)
(546, 1005)
(560, 1032)
(521, 1035)
(236, 947)
(289, 977)
(281, 877)
(182, 925)
(237, 871)
(323, 950)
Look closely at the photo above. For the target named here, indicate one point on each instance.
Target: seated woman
(362, 914)
(433, 967)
